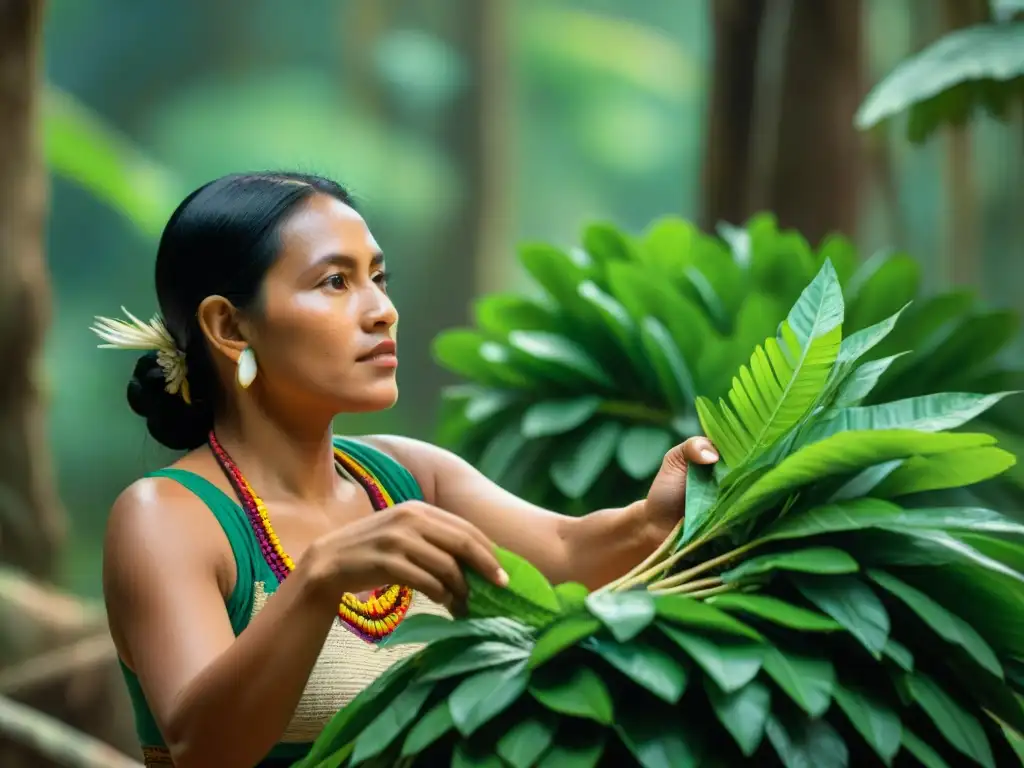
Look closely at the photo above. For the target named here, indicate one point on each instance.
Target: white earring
(246, 372)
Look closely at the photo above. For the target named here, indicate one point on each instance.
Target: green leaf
(806, 743)
(574, 690)
(605, 243)
(731, 664)
(898, 653)
(810, 560)
(865, 482)
(684, 610)
(852, 603)
(858, 344)
(807, 680)
(575, 471)
(960, 728)
(556, 417)
(564, 633)
(701, 495)
(80, 147)
(502, 313)
(859, 384)
(641, 450)
(465, 756)
(625, 614)
(783, 381)
(657, 737)
(861, 514)
(471, 354)
(523, 744)
(557, 356)
(924, 754)
(579, 749)
(489, 653)
(946, 624)
(428, 729)
(979, 63)
(836, 455)
(743, 713)
(777, 611)
(880, 288)
(428, 628)
(645, 664)
(528, 596)
(951, 470)
(674, 377)
(875, 720)
(647, 294)
(502, 452)
(487, 694)
(555, 271)
(571, 595)
(391, 723)
(620, 327)
(927, 413)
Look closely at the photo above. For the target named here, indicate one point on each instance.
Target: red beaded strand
(372, 619)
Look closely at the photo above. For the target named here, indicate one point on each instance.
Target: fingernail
(502, 578)
(708, 455)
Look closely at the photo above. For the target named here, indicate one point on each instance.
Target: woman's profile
(249, 584)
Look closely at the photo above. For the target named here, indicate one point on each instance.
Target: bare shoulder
(157, 526)
(424, 460)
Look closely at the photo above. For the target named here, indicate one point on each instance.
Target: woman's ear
(223, 327)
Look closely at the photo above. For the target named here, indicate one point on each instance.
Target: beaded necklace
(372, 619)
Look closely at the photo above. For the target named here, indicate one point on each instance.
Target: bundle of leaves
(574, 394)
(797, 616)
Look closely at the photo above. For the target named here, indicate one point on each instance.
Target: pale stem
(700, 594)
(687, 575)
(644, 576)
(647, 562)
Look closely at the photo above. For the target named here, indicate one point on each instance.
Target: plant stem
(649, 573)
(649, 561)
(684, 576)
(698, 594)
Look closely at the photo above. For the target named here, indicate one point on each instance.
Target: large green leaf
(528, 596)
(777, 611)
(743, 712)
(980, 66)
(853, 604)
(959, 727)
(876, 721)
(810, 560)
(575, 690)
(807, 680)
(80, 147)
(646, 664)
(577, 469)
(784, 379)
(730, 663)
(946, 624)
(392, 722)
(479, 698)
(804, 743)
(555, 417)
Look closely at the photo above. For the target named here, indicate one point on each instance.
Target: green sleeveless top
(256, 581)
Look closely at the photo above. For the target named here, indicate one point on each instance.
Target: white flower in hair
(151, 336)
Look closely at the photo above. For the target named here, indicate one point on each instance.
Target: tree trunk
(787, 80)
(728, 141)
(464, 131)
(30, 521)
(961, 256)
(813, 164)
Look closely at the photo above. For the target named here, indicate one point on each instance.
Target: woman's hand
(413, 543)
(667, 498)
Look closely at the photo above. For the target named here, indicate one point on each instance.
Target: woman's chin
(378, 397)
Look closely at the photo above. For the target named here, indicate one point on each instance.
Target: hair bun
(170, 420)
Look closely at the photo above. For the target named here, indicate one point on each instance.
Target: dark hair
(221, 240)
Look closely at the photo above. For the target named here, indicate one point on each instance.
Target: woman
(275, 318)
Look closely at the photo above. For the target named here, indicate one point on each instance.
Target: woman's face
(323, 338)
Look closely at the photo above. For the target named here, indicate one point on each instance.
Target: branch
(55, 741)
(58, 664)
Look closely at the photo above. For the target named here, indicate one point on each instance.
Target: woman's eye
(335, 281)
(381, 279)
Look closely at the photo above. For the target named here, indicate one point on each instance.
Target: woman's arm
(594, 549)
(219, 701)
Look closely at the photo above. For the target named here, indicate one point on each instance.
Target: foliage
(82, 148)
(576, 394)
(797, 616)
(978, 67)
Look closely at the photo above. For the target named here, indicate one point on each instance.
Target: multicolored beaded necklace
(372, 619)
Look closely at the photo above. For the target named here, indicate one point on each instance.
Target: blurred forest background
(465, 127)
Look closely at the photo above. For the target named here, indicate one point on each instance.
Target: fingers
(460, 539)
(402, 570)
(699, 450)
